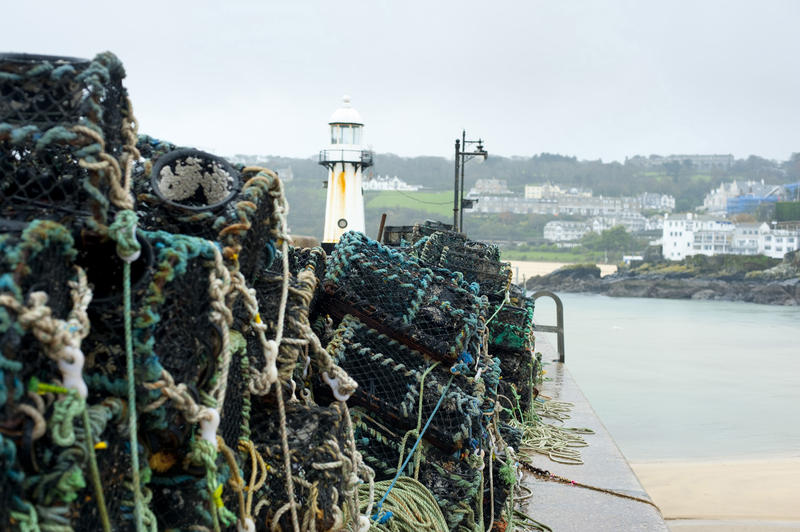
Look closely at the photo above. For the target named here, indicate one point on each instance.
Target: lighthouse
(345, 158)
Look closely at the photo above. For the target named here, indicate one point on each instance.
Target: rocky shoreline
(779, 285)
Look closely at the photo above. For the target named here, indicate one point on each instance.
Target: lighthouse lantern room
(345, 158)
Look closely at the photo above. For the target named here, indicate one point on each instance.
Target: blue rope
(382, 517)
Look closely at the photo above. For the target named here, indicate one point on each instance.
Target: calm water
(676, 379)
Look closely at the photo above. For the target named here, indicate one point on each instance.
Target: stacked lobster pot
(67, 144)
(156, 352)
(510, 324)
(509, 321)
(411, 337)
(324, 464)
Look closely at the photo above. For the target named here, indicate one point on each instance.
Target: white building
(689, 234)
(389, 183)
(657, 202)
(779, 242)
(563, 231)
(489, 187)
(550, 191)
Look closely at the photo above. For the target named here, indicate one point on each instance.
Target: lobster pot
(447, 319)
(316, 435)
(430, 247)
(396, 235)
(493, 277)
(313, 259)
(104, 347)
(517, 378)
(512, 328)
(43, 98)
(303, 289)
(195, 193)
(40, 258)
(429, 227)
(454, 483)
(50, 470)
(390, 382)
(393, 293)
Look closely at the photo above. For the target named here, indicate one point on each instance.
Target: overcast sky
(600, 79)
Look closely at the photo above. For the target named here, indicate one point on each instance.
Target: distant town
(725, 223)
(548, 206)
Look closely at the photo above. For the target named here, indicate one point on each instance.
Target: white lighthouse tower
(344, 158)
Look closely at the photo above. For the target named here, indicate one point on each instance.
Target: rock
(678, 284)
(703, 295)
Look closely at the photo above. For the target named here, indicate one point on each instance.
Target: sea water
(686, 380)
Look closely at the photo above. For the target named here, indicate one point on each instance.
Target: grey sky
(592, 79)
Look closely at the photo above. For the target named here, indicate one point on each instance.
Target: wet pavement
(564, 507)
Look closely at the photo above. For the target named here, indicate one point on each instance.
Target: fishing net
(391, 379)
(321, 466)
(195, 193)
(394, 294)
(64, 123)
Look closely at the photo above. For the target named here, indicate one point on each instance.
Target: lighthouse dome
(346, 114)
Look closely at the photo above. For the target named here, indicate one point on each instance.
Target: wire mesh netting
(477, 262)
(195, 193)
(320, 462)
(59, 119)
(391, 380)
(512, 328)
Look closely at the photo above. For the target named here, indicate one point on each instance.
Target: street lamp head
(480, 151)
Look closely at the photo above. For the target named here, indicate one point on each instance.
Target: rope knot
(123, 231)
(341, 384)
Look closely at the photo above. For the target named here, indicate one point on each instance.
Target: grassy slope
(438, 203)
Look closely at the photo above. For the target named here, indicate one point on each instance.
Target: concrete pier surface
(565, 507)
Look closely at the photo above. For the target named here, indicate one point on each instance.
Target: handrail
(559, 327)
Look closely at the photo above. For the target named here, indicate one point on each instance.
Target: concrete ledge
(564, 507)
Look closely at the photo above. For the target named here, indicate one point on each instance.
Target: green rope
(27, 522)
(415, 431)
(137, 494)
(62, 422)
(96, 482)
(123, 230)
(412, 505)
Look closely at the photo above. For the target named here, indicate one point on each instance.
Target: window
(768, 238)
(779, 239)
(778, 248)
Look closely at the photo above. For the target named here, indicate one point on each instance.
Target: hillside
(687, 184)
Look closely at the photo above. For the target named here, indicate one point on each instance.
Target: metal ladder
(558, 328)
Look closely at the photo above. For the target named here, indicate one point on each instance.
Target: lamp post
(462, 156)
